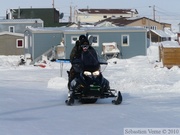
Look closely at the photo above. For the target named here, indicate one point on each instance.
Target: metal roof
(160, 33)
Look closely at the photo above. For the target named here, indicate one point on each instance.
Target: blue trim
(63, 60)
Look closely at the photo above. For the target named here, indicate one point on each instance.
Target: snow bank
(9, 61)
(58, 83)
(170, 44)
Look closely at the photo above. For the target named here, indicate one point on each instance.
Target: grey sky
(166, 10)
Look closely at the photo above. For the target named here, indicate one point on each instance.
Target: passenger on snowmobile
(75, 55)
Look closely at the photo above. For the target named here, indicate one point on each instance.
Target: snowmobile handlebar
(103, 63)
(77, 61)
(100, 62)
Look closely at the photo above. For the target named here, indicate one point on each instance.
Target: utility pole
(179, 27)
(154, 13)
(154, 10)
(70, 18)
(53, 3)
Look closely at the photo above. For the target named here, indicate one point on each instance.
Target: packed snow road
(32, 101)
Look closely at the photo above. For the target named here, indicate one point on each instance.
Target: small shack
(170, 56)
(11, 43)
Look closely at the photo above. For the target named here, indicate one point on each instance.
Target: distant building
(156, 33)
(12, 34)
(19, 25)
(135, 21)
(50, 16)
(95, 15)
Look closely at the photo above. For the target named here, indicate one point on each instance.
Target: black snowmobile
(90, 86)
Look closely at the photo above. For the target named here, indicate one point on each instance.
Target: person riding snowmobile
(87, 61)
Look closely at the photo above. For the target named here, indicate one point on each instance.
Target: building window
(74, 39)
(151, 27)
(154, 27)
(105, 16)
(95, 41)
(11, 29)
(19, 43)
(146, 27)
(125, 40)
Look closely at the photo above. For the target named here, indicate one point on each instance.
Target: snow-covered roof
(112, 43)
(11, 33)
(105, 24)
(21, 20)
(107, 11)
(83, 29)
(170, 33)
(160, 33)
(170, 44)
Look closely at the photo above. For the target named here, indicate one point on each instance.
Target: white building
(95, 15)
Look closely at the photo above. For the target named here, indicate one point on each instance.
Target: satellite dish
(61, 15)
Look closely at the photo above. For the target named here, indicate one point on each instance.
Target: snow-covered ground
(32, 98)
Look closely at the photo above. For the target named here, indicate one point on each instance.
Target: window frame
(13, 29)
(97, 40)
(127, 40)
(72, 41)
(17, 41)
(105, 16)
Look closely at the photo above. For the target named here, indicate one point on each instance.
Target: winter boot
(70, 99)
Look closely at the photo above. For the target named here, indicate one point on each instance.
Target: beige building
(95, 15)
(11, 43)
(138, 21)
(156, 33)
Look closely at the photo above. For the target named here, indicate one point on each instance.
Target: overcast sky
(166, 10)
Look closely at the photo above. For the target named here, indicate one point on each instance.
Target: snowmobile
(90, 86)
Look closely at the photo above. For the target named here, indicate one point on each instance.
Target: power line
(167, 12)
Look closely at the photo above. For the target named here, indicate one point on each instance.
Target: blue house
(19, 25)
(130, 41)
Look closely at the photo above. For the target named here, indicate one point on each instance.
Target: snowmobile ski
(118, 99)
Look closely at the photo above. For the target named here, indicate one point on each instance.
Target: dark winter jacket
(89, 60)
(76, 51)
